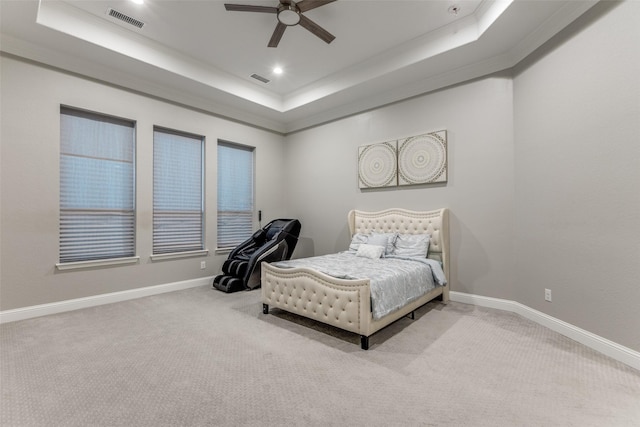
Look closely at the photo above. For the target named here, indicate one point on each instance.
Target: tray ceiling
(197, 53)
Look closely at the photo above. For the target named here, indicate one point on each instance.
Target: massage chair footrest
(228, 283)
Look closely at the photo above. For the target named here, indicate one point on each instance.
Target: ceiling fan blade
(316, 29)
(277, 35)
(250, 8)
(305, 5)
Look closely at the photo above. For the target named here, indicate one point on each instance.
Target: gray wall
(577, 163)
(31, 98)
(478, 116)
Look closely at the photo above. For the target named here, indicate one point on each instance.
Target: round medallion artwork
(377, 165)
(422, 159)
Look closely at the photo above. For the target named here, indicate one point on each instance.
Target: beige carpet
(203, 358)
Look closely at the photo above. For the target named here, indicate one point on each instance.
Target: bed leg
(265, 309)
(412, 315)
(364, 342)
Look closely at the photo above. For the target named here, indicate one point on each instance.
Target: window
(178, 207)
(235, 194)
(97, 180)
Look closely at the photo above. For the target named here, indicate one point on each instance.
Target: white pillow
(412, 245)
(370, 251)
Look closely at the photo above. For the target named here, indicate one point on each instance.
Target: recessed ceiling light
(277, 70)
(138, 1)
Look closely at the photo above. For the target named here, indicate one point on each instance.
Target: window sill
(178, 255)
(97, 263)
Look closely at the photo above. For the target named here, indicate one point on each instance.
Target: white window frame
(87, 236)
(170, 225)
(227, 239)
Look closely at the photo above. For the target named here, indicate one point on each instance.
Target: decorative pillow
(412, 245)
(378, 239)
(370, 251)
(357, 240)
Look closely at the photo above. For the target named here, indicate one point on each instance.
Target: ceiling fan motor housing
(288, 14)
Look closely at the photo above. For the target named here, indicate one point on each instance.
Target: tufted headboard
(396, 220)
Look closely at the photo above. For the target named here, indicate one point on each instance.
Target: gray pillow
(378, 238)
(412, 245)
(357, 240)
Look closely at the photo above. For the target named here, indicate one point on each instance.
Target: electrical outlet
(547, 295)
(203, 265)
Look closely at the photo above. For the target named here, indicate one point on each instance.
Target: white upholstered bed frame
(346, 304)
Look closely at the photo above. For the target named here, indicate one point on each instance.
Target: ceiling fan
(289, 13)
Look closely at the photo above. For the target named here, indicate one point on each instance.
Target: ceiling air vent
(262, 79)
(125, 18)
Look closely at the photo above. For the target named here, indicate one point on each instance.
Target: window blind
(178, 207)
(235, 194)
(97, 179)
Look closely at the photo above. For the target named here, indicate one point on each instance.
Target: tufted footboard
(337, 302)
(345, 304)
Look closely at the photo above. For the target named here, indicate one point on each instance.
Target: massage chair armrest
(275, 252)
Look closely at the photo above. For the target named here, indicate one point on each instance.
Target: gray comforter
(395, 281)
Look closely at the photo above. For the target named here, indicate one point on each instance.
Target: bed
(345, 300)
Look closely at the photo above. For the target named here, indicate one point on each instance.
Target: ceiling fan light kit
(288, 14)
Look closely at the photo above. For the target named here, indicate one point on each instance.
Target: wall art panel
(378, 165)
(422, 159)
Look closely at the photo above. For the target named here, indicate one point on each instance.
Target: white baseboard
(75, 304)
(609, 348)
(602, 345)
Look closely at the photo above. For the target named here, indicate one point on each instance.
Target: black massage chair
(274, 242)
